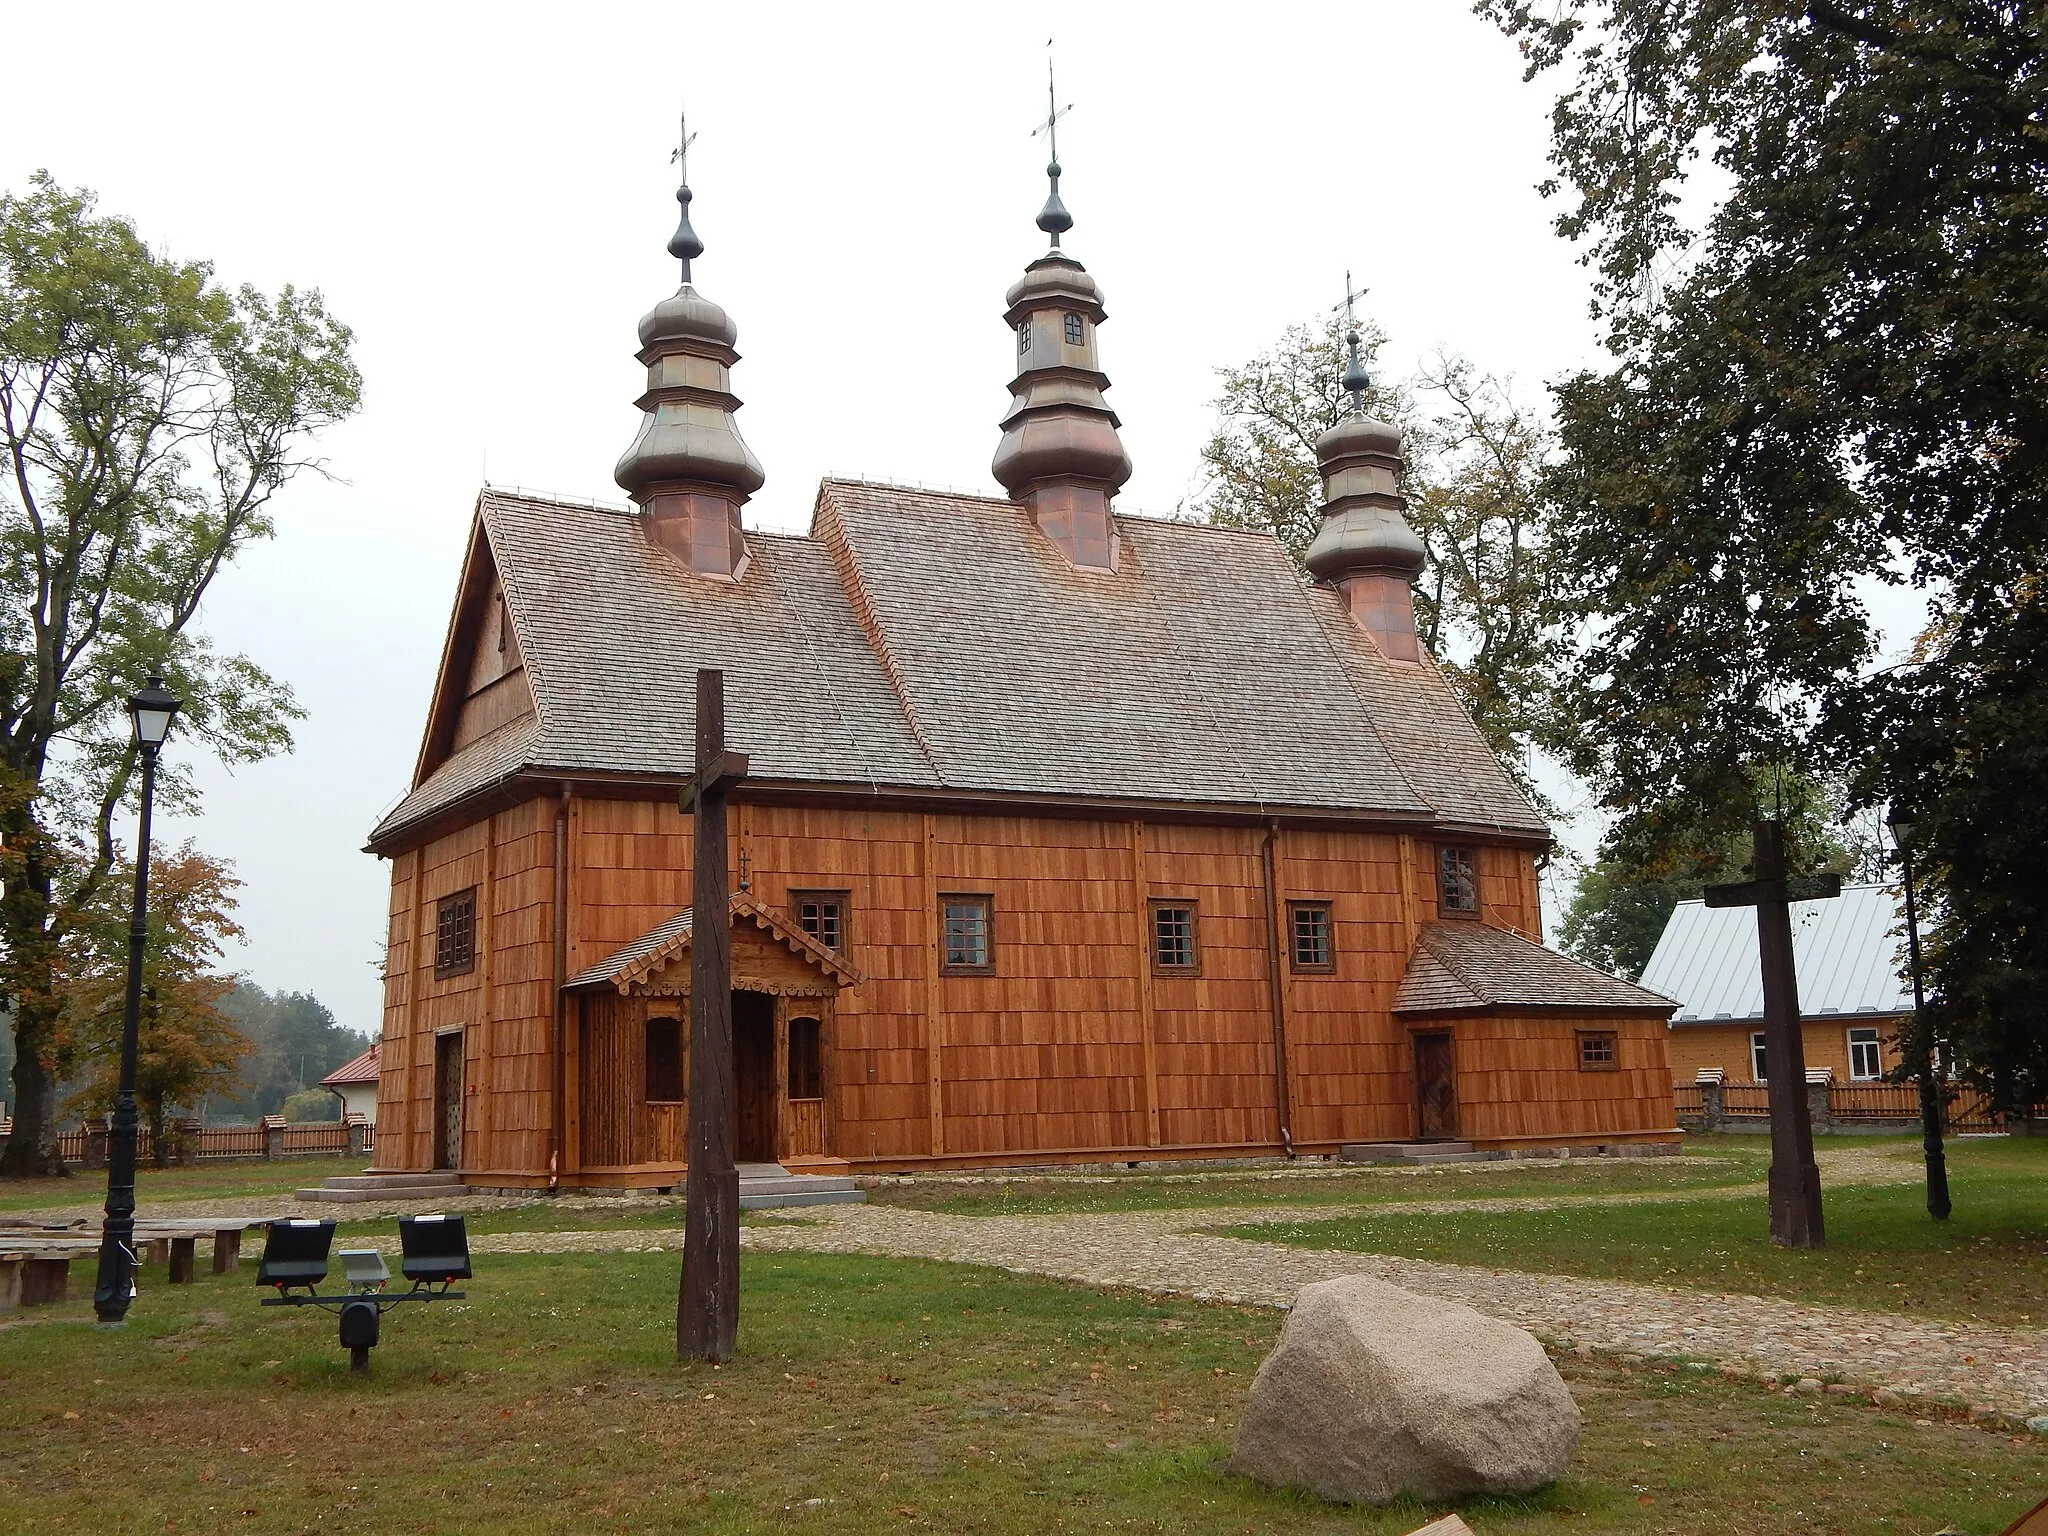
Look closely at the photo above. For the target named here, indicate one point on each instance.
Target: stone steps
(1414, 1154)
(762, 1187)
(356, 1188)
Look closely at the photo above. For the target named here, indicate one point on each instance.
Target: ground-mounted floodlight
(436, 1249)
(295, 1254)
(295, 1257)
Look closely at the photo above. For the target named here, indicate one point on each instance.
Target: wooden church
(1069, 835)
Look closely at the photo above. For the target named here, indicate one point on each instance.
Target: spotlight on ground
(295, 1260)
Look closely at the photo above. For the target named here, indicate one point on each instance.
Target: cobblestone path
(2005, 1368)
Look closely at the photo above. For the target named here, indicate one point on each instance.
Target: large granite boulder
(1374, 1392)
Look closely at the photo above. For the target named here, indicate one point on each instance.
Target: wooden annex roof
(1471, 967)
(662, 945)
(925, 642)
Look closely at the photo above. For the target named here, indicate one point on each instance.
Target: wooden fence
(1837, 1106)
(268, 1138)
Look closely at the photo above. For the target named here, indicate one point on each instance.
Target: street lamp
(151, 711)
(1904, 829)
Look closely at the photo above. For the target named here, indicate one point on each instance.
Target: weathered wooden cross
(1795, 1181)
(708, 1303)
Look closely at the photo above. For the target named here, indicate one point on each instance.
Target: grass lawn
(870, 1395)
(204, 1181)
(1730, 1160)
(1988, 1263)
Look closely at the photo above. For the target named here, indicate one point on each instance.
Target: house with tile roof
(354, 1082)
(1067, 835)
(1853, 995)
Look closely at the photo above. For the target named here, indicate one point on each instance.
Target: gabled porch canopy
(773, 955)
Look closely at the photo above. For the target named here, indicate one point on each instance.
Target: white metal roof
(1846, 953)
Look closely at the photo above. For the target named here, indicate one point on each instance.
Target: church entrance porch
(630, 1062)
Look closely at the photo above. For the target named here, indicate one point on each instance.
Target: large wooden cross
(708, 1303)
(1795, 1180)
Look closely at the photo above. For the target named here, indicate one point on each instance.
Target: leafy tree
(147, 417)
(1840, 375)
(187, 1043)
(1474, 461)
(311, 1106)
(1625, 898)
(294, 1042)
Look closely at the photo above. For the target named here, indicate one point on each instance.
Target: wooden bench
(35, 1259)
(35, 1271)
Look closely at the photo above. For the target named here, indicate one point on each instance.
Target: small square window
(1074, 331)
(1308, 931)
(1173, 937)
(1756, 1058)
(1457, 885)
(1597, 1051)
(966, 936)
(821, 914)
(455, 934)
(664, 1061)
(1866, 1059)
(806, 1059)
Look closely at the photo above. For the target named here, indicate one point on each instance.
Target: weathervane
(684, 244)
(1053, 218)
(1355, 380)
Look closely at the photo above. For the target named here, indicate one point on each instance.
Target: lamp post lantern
(150, 711)
(1904, 829)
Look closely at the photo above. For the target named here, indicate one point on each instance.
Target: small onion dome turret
(1364, 528)
(687, 432)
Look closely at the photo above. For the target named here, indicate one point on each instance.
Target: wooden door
(448, 1100)
(1436, 1088)
(753, 1077)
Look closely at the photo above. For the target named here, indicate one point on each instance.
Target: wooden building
(1852, 995)
(1069, 835)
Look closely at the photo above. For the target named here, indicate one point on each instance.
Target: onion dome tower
(688, 469)
(1060, 454)
(1365, 548)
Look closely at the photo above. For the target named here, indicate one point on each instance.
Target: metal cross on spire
(680, 155)
(1053, 218)
(1355, 380)
(684, 244)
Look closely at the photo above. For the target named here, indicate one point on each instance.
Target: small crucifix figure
(708, 1303)
(1795, 1180)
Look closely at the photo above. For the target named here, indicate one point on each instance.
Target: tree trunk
(160, 1143)
(28, 975)
(32, 1147)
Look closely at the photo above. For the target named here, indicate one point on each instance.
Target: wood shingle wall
(1075, 1045)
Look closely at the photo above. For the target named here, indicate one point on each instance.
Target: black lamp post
(1903, 831)
(151, 711)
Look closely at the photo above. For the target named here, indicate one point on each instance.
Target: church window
(1866, 1063)
(1023, 337)
(1173, 938)
(1457, 885)
(1074, 332)
(1308, 928)
(504, 623)
(821, 914)
(455, 934)
(806, 1059)
(1756, 1058)
(664, 1061)
(967, 936)
(1597, 1051)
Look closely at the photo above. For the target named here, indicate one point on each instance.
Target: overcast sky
(484, 193)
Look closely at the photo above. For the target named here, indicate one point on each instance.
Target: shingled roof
(920, 640)
(1465, 967)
